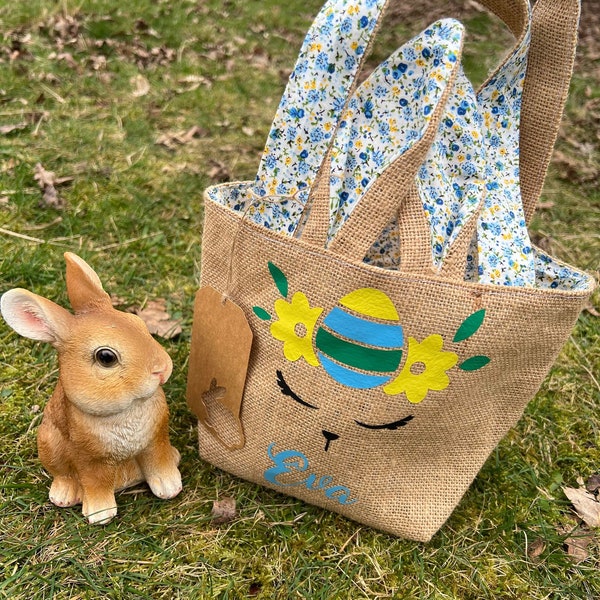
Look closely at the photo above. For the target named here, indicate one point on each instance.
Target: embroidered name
(296, 463)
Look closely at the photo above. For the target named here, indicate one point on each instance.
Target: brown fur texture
(105, 426)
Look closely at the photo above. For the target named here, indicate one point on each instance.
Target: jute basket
(380, 393)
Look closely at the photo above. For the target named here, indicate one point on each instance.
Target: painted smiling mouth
(329, 436)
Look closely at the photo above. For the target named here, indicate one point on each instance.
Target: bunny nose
(163, 370)
(330, 437)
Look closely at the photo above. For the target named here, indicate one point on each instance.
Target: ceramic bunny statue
(105, 426)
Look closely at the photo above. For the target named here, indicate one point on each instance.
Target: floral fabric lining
(389, 112)
(473, 162)
(315, 96)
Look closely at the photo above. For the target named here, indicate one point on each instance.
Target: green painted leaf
(469, 326)
(280, 279)
(261, 313)
(474, 363)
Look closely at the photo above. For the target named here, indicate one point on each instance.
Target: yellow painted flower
(295, 328)
(424, 370)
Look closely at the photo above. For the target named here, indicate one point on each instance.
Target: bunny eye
(106, 357)
(286, 390)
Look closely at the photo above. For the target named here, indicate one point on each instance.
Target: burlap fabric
(386, 458)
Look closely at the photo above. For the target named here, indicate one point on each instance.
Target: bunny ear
(35, 317)
(84, 287)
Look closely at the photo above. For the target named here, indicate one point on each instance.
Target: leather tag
(219, 355)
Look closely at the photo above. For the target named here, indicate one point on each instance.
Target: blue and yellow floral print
(472, 164)
(315, 96)
(504, 253)
(451, 181)
(389, 112)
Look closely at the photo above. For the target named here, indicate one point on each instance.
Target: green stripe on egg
(350, 342)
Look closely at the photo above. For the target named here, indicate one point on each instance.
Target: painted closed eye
(286, 390)
(392, 426)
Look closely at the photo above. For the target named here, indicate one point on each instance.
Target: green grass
(134, 211)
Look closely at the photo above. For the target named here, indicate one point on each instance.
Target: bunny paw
(166, 485)
(65, 492)
(99, 508)
(98, 515)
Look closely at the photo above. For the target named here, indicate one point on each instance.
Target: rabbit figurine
(105, 426)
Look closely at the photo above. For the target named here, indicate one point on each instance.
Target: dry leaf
(43, 177)
(191, 133)
(67, 58)
(259, 59)
(586, 505)
(223, 510)
(590, 308)
(543, 205)
(98, 62)
(158, 320)
(536, 548)
(7, 166)
(593, 483)
(51, 198)
(46, 181)
(172, 140)
(6, 129)
(195, 81)
(141, 86)
(577, 544)
(65, 27)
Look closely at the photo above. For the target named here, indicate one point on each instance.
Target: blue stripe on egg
(364, 332)
(349, 377)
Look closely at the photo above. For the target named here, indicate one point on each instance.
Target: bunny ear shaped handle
(315, 96)
(451, 181)
(390, 112)
(504, 252)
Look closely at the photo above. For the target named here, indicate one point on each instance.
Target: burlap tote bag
(392, 348)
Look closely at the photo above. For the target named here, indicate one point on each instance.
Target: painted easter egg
(360, 341)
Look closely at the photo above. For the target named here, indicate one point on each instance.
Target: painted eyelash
(286, 390)
(392, 426)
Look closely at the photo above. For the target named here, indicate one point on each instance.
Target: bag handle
(400, 160)
(379, 204)
(545, 89)
(553, 42)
